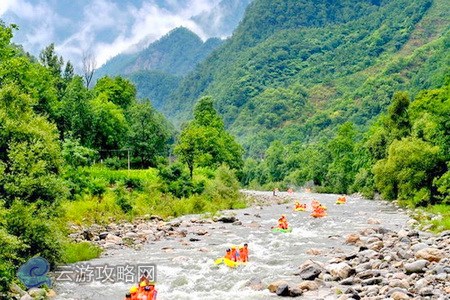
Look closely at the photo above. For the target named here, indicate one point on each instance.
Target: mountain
(158, 69)
(294, 70)
(177, 53)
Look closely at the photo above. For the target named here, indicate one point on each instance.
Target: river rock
(416, 267)
(430, 254)
(227, 219)
(35, 292)
(253, 281)
(203, 249)
(283, 290)
(254, 224)
(295, 292)
(341, 270)
(372, 281)
(308, 285)
(26, 297)
(274, 285)
(180, 259)
(373, 221)
(313, 251)
(352, 238)
(310, 272)
(399, 296)
(114, 239)
(418, 246)
(103, 235)
(131, 235)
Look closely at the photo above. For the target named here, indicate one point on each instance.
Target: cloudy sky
(108, 27)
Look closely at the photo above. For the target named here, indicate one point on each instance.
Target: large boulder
(310, 272)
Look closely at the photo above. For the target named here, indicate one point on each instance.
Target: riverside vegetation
(305, 112)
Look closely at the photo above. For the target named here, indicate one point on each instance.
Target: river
(184, 272)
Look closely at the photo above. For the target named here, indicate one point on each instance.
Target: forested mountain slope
(295, 70)
(158, 69)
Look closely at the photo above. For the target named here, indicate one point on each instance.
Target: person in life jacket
(234, 254)
(142, 286)
(153, 294)
(144, 277)
(228, 254)
(134, 293)
(246, 251)
(242, 254)
(282, 222)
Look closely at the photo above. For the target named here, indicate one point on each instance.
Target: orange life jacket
(134, 296)
(246, 253)
(242, 255)
(233, 254)
(228, 255)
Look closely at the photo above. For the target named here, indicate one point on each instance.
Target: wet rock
(203, 250)
(373, 221)
(257, 287)
(193, 240)
(416, 267)
(254, 224)
(295, 292)
(310, 272)
(352, 238)
(257, 215)
(283, 290)
(274, 285)
(237, 223)
(201, 232)
(253, 281)
(227, 219)
(308, 285)
(313, 251)
(430, 254)
(341, 270)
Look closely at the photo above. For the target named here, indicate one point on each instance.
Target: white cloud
(105, 28)
(5, 5)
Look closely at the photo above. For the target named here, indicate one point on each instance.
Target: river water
(185, 273)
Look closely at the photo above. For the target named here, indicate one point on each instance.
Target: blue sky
(106, 28)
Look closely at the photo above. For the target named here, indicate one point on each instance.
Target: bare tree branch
(89, 66)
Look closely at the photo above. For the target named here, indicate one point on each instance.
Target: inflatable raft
(230, 263)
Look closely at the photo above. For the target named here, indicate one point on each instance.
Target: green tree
(109, 126)
(148, 134)
(205, 142)
(407, 171)
(341, 171)
(118, 90)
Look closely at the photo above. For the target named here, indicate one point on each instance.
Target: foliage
(204, 141)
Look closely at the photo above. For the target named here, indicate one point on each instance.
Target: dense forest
(64, 148)
(158, 69)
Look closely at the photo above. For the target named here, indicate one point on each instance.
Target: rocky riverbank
(151, 228)
(384, 265)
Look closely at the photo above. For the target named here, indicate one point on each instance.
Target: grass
(74, 252)
(436, 215)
